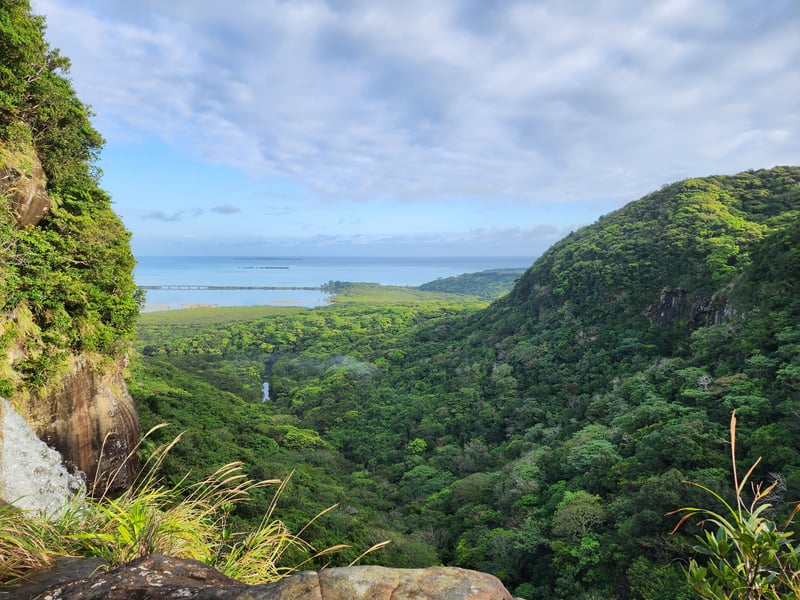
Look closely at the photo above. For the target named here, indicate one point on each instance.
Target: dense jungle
(543, 437)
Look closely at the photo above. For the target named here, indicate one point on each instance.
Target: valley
(542, 437)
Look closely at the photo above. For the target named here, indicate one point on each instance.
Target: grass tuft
(181, 520)
(26, 545)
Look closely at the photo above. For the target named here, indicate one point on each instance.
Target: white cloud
(174, 217)
(418, 100)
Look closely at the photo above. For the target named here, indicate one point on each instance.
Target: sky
(419, 127)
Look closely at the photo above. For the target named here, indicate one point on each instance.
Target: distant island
(263, 267)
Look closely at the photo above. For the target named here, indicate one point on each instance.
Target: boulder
(62, 570)
(24, 185)
(156, 577)
(381, 583)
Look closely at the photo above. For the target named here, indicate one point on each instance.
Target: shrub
(746, 554)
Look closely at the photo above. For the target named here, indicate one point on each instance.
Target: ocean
(183, 281)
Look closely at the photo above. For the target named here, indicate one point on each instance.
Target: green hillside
(488, 285)
(666, 258)
(546, 437)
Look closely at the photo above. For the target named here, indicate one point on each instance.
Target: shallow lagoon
(290, 272)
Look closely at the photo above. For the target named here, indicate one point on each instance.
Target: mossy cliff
(68, 302)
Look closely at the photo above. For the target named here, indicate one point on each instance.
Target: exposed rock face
(156, 577)
(52, 294)
(90, 418)
(24, 185)
(87, 414)
(696, 310)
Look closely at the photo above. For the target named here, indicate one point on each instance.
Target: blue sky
(454, 127)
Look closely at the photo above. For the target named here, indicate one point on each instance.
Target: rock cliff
(89, 417)
(84, 410)
(24, 185)
(68, 302)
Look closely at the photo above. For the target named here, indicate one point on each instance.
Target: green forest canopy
(542, 438)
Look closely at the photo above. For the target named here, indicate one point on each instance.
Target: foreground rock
(61, 571)
(157, 577)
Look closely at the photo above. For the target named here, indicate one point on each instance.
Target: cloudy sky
(414, 127)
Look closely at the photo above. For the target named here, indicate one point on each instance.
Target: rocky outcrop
(85, 411)
(90, 418)
(693, 309)
(24, 185)
(67, 295)
(157, 577)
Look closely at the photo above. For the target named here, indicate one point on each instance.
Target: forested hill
(671, 258)
(675, 273)
(545, 437)
(487, 285)
(608, 375)
(583, 399)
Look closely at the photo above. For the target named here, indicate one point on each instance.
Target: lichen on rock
(156, 577)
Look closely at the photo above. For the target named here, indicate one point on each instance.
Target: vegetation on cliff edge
(71, 272)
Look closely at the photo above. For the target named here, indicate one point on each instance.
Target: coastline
(181, 282)
(159, 307)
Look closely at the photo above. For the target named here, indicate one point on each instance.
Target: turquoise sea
(184, 280)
